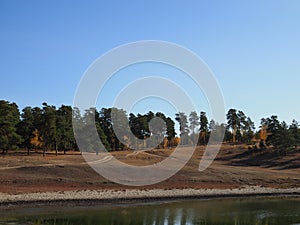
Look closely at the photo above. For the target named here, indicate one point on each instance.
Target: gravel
(132, 194)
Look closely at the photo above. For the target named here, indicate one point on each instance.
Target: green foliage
(103, 138)
(51, 128)
(248, 131)
(139, 125)
(170, 128)
(233, 122)
(218, 132)
(282, 137)
(241, 126)
(194, 123)
(181, 118)
(9, 119)
(104, 119)
(26, 127)
(203, 122)
(273, 126)
(88, 130)
(64, 135)
(120, 123)
(295, 131)
(203, 128)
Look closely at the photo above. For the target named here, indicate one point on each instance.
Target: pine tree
(9, 119)
(26, 128)
(203, 127)
(233, 123)
(194, 123)
(181, 118)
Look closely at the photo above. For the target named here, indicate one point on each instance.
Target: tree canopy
(51, 128)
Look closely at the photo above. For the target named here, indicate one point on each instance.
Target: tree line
(50, 128)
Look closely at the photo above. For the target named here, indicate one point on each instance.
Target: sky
(252, 47)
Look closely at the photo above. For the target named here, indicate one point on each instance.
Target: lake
(258, 211)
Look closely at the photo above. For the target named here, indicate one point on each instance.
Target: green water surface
(260, 211)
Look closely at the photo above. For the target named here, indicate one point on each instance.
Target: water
(257, 211)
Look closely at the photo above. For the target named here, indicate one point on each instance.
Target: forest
(50, 128)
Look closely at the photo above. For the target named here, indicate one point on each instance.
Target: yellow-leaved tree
(36, 140)
(165, 143)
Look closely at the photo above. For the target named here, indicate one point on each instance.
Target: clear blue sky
(253, 47)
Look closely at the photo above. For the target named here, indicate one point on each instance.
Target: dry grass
(233, 168)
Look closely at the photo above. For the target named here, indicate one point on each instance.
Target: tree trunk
(234, 134)
(65, 147)
(194, 138)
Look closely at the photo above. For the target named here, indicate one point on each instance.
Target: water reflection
(228, 211)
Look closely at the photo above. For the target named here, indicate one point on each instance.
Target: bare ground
(234, 167)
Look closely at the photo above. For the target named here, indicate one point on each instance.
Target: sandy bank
(142, 195)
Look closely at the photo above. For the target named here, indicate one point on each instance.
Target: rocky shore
(133, 195)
